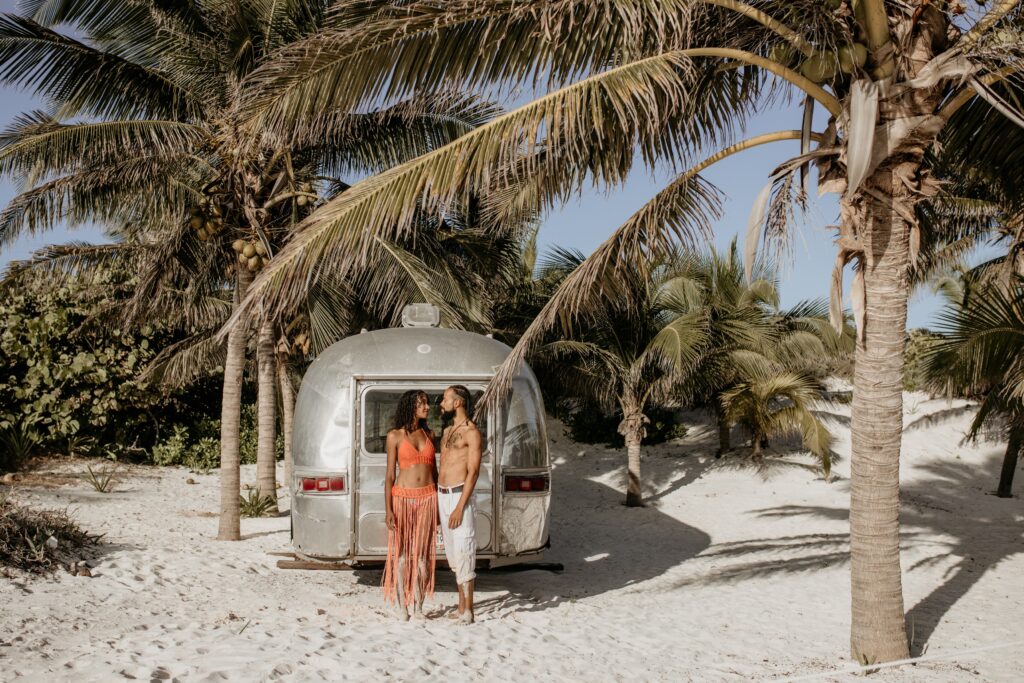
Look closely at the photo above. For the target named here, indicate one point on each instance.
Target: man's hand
(455, 519)
(389, 519)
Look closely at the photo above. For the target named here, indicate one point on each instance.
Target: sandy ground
(730, 574)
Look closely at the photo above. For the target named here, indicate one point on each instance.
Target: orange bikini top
(408, 455)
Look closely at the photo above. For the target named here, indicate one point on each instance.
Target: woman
(411, 504)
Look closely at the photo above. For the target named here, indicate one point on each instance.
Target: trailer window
(379, 415)
(525, 438)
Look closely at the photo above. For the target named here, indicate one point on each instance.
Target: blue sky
(585, 222)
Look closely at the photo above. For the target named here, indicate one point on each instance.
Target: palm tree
(749, 338)
(161, 149)
(979, 354)
(778, 403)
(628, 352)
(676, 80)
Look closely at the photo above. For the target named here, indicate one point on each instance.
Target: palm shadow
(975, 529)
(602, 545)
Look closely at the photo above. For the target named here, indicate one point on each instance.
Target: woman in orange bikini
(411, 504)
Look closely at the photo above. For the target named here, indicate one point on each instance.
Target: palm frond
(84, 80)
(36, 146)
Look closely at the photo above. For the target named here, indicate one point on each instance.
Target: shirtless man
(461, 449)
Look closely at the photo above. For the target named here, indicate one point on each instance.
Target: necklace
(451, 433)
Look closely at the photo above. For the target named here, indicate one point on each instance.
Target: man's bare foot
(401, 611)
(466, 618)
(454, 614)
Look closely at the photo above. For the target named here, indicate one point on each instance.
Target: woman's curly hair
(405, 411)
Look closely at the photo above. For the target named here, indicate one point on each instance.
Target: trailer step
(309, 564)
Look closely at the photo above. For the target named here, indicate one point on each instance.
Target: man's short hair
(467, 398)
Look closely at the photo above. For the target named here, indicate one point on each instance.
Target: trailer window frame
(371, 386)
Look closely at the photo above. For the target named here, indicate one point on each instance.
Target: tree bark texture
(229, 528)
(724, 430)
(633, 430)
(266, 417)
(287, 416)
(878, 628)
(1009, 465)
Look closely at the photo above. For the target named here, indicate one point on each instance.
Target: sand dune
(731, 574)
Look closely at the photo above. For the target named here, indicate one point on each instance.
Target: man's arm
(473, 457)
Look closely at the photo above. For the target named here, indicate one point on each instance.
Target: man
(461, 450)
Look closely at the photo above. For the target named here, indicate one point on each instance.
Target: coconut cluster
(301, 343)
(302, 199)
(253, 255)
(822, 67)
(207, 220)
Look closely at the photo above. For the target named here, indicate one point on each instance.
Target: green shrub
(18, 443)
(173, 450)
(203, 455)
(254, 505)
(72, 374)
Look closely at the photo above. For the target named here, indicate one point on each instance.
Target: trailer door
(376, 409)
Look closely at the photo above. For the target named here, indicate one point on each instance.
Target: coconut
(254, 264)
(306, 187)
(216, 211)
(1004, 36)
(243, 259)
(238, 245)
(203, 235)
(260, 249)
(196, 222)
(249, 250)
(782, 53)
(851, 56)
(820, 68)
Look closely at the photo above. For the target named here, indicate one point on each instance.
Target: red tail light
(323, 484)
(526, 483)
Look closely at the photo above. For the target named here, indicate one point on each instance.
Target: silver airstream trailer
(342, 416)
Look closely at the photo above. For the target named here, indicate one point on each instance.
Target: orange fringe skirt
(412, 540)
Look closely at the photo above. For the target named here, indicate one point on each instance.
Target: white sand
(726, 576)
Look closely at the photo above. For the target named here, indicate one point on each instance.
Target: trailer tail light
(532, 483)
(323, 484)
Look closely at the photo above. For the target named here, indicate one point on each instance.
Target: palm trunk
(634, 494)
(287, 415)
(724, 430)
(266, 418)
(878, 629)
(756, 444)
(229, 528)
(1009, 465)
(633, 430)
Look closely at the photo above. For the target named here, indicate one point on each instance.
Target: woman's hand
(389, 520)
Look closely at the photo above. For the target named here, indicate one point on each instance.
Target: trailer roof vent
(421, 315)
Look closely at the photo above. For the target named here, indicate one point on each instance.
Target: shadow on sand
(603, 545)
(954, 502)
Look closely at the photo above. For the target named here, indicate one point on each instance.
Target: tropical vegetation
(213, 135)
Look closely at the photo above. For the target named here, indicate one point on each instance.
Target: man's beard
(447, 415)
